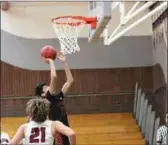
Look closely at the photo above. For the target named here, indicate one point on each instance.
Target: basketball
(48, 52)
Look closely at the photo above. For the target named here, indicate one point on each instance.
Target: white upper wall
(33, 19)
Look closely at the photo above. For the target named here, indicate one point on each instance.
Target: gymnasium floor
(107, 129)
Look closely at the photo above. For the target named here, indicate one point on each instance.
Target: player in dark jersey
(57, 110)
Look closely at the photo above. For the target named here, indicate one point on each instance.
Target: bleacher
(145, 116)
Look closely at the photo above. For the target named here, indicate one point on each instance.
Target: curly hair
(38, 109)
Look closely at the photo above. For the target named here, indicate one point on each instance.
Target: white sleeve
(159, 136)
(5, 138)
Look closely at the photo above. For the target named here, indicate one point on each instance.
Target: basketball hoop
(68, 28)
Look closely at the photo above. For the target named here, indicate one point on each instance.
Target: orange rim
(87, 20)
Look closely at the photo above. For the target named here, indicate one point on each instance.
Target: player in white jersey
(40, 130)
(4, 138)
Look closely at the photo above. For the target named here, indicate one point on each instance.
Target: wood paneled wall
(20, 82)
(85, 104)
(94, 90)
(159, 98)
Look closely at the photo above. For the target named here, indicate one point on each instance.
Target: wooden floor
(95, 129)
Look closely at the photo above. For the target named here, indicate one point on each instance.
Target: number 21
(35, 132)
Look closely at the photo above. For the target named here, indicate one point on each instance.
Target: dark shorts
(64, 140)
(58, 113)
(61, 139)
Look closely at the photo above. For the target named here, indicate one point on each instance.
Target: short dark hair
(38, 109)
(39, 89)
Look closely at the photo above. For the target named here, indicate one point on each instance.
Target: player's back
(38, 133)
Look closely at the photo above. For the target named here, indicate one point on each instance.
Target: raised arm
(68, 73)
(53, 76)
(19, 135)
(61, 128)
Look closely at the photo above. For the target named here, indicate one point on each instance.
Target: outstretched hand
(61, 57)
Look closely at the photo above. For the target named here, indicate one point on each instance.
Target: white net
(67, 30)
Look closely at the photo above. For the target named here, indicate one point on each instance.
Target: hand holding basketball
(46, 60)
(61, 57)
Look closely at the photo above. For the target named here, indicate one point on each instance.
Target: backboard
(101, 10)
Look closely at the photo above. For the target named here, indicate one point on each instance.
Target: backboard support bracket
(129, 16)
